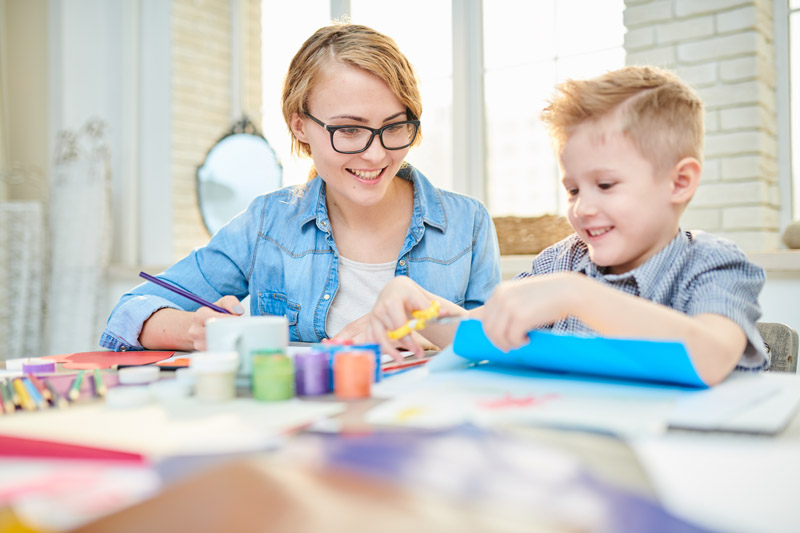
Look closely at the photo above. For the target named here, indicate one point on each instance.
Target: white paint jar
(214, 375)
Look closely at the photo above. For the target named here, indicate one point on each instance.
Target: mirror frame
(243, 126)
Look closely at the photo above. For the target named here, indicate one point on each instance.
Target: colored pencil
(75, 389)
(40, 387)
(13, 393)
(36, 396)
(55, 398)
(25, 400)
(400, 366)
(99, 385)
(7, 397)
(183, 292)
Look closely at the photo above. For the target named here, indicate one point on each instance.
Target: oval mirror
(239, 167)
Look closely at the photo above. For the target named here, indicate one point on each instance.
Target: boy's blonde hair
(658, 112)
(358, 46)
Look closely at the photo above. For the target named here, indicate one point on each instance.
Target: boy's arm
(714, 342)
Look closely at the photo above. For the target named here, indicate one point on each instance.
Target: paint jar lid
(278, 363)
(184, 375)
(170, 389)
(126, 397)
(138, 375)
(213, 362)
(38, 366)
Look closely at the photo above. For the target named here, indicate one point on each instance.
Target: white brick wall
(724, 49)
(201, 98)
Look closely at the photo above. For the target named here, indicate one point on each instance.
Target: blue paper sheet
(645, 360)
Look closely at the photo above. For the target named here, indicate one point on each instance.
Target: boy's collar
(646, 274)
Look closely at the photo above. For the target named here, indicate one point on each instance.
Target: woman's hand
(171, 329)
(197, 329)
(398, 299)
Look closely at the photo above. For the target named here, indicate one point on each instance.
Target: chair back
(782, 345)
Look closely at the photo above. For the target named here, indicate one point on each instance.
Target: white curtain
(79, 240)
(21, 279)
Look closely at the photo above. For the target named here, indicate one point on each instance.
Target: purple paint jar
(311, 373)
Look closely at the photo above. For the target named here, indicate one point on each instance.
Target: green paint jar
(273, 376)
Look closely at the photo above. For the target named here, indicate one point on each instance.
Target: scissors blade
(445, 320)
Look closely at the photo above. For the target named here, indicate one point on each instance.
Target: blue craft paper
(645, 360)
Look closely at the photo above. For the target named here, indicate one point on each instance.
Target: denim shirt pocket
(277, 304)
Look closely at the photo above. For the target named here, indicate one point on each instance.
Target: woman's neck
(396, 203)
(373, 234)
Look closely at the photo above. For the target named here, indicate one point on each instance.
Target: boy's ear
(685, 179)
(298, 127)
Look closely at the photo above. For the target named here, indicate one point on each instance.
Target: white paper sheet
(495, 397)
(187, 427)
(735, 483)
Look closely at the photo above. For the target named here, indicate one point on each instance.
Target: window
(427, 43)
(528, 47)
(284, 28)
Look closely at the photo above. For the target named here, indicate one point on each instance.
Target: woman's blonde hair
(658, 112)
(360, 47)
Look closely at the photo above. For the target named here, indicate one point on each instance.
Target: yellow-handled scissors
(420, 320)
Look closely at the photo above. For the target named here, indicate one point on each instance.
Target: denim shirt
(281, 253)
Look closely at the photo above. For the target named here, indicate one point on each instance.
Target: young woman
(320, 253)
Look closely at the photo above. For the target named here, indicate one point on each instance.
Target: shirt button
(323, 224)
(327, 297)
(402, 262)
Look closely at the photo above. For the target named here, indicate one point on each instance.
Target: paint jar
(311, 375)
(214, 375)
(376, 349)
(331, 348)
(353, 373)
(273, 376)
(247, 335)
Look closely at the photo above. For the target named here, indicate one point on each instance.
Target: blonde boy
(630, 146)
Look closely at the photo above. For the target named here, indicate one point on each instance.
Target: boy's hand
(516, 307)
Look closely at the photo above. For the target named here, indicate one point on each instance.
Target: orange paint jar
(353, 373)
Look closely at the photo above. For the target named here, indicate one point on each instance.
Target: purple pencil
(186, 294)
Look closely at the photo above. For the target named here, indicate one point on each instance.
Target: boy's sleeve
(730, 287)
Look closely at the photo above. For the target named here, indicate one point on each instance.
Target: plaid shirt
(696, 273)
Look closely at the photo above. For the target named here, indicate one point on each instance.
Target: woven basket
(530, 235)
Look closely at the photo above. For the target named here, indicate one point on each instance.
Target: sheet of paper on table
(738, 483)
(179, 428)
(452, 390)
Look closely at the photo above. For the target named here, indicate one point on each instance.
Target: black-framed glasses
(356, 139)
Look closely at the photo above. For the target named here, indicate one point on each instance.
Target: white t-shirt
(359, 285)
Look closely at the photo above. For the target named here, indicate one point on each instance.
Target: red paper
(90, 360)
(25, 447)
